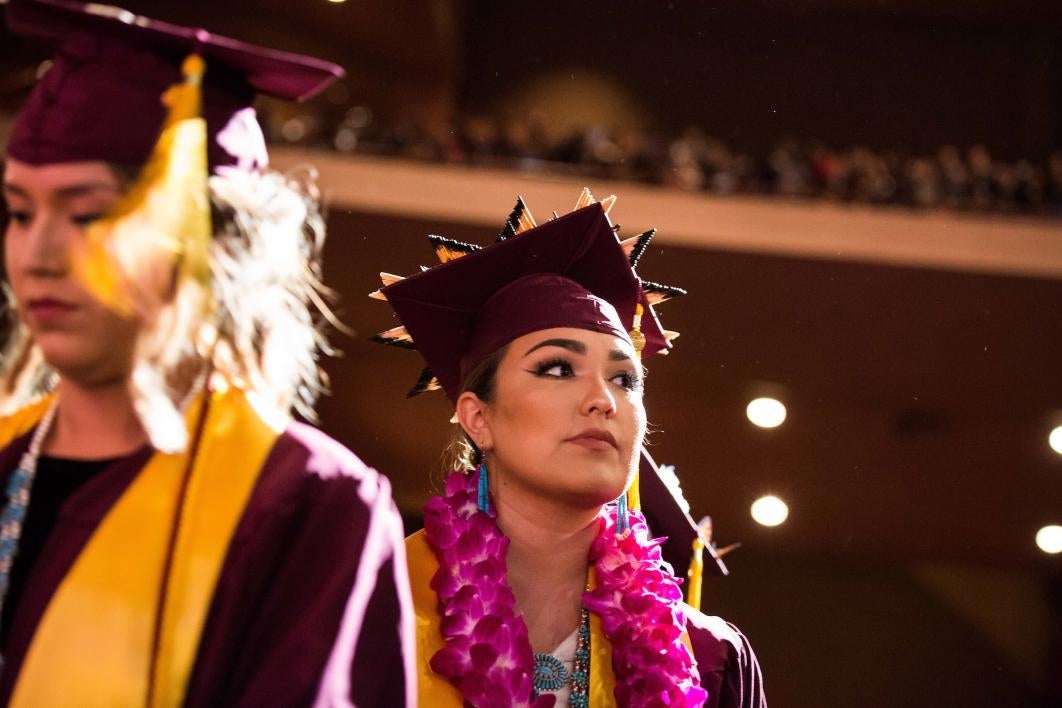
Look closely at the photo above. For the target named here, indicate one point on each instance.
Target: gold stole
(436, 691)
(94, 643)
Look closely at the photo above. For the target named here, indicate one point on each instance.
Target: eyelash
(631, 381)
(84, 220)
(22, 218)
(19, 217)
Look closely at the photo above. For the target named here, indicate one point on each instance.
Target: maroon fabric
(533, 303)
(727, 665)
(665, 517)
(279, 604)
(441, 307)
(100, 100)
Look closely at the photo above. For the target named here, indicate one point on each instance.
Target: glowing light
(769, 511)
(1049, 539)
(337, 1)
(766, 412)
(293, 130)
(1055, 440)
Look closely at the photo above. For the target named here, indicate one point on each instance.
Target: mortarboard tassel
(634, 497)
(163, 219)
(695, 575)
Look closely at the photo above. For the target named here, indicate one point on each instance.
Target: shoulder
(316, 460)
(310, 476)
(16, 423)
(725, 660)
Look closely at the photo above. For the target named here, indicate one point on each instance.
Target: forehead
(595, 343)
(51, 178)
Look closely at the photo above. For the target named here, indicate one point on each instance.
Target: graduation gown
(727, 665)
(311, 603)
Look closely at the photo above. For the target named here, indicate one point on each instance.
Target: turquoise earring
(622, 521)
(483, 499)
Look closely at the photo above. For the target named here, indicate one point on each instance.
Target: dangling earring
(623, 523)
(483, 499)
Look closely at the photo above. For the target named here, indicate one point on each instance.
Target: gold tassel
(696, 574)
(634, 497)
(163, 221)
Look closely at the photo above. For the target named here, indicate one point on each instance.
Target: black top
(56, 480)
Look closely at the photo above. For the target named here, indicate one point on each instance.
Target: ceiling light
(766, 412)
(769, 511)
(1049, 539)
(1054, 439)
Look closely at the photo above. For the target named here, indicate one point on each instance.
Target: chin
(74, 365)
(599, 484)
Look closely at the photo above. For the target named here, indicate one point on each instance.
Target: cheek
(635, 421)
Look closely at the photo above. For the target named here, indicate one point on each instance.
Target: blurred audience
(971, 180)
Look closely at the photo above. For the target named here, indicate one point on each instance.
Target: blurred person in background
(169, 535)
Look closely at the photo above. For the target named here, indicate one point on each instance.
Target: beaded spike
(635, 246)
(386, 279)
(447, 249)
(519, 220)
(395, 337)
(426, 382)
(657, 293)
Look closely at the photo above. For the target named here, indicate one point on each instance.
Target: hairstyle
(260, 325)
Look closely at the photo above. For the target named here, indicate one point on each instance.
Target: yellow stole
(94, 644)
(436, 691)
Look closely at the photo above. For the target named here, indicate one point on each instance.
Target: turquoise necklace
(551, 675)
(19, 486)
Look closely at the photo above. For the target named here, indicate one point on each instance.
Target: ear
(471, 415)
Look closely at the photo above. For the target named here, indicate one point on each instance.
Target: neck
(546, 565)
(94, 422)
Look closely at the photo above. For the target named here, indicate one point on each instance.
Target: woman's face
(567, 419)
(49, 207)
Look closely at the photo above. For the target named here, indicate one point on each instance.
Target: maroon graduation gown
(310, 592)
(728, 667)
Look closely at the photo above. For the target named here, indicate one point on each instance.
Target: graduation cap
(100, 99)
(571, 271)
(667, 514)
(174, 101)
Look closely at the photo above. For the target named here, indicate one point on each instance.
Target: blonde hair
(259, 325)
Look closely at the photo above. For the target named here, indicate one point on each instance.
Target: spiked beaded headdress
(571, 271)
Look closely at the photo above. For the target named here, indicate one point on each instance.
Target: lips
(595, 439)
(46, 309)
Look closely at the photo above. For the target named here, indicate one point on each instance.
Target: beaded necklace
(19, 486)
(550, 673)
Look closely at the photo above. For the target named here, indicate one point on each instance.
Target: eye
(84, 220)
(22, 218)
(554, 369)
(627, 380)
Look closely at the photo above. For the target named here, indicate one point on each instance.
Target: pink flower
(487, 654)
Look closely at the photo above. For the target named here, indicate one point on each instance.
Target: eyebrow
(74, 190)
(571, 345)
(578, 347)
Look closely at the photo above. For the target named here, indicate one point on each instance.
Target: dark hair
(461, 452)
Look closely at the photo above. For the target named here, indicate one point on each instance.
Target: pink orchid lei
(487, 654)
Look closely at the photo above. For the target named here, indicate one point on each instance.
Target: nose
(47, 248)
(599, 398)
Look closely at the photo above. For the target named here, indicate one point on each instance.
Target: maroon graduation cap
(571, 271)
(101, 97)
